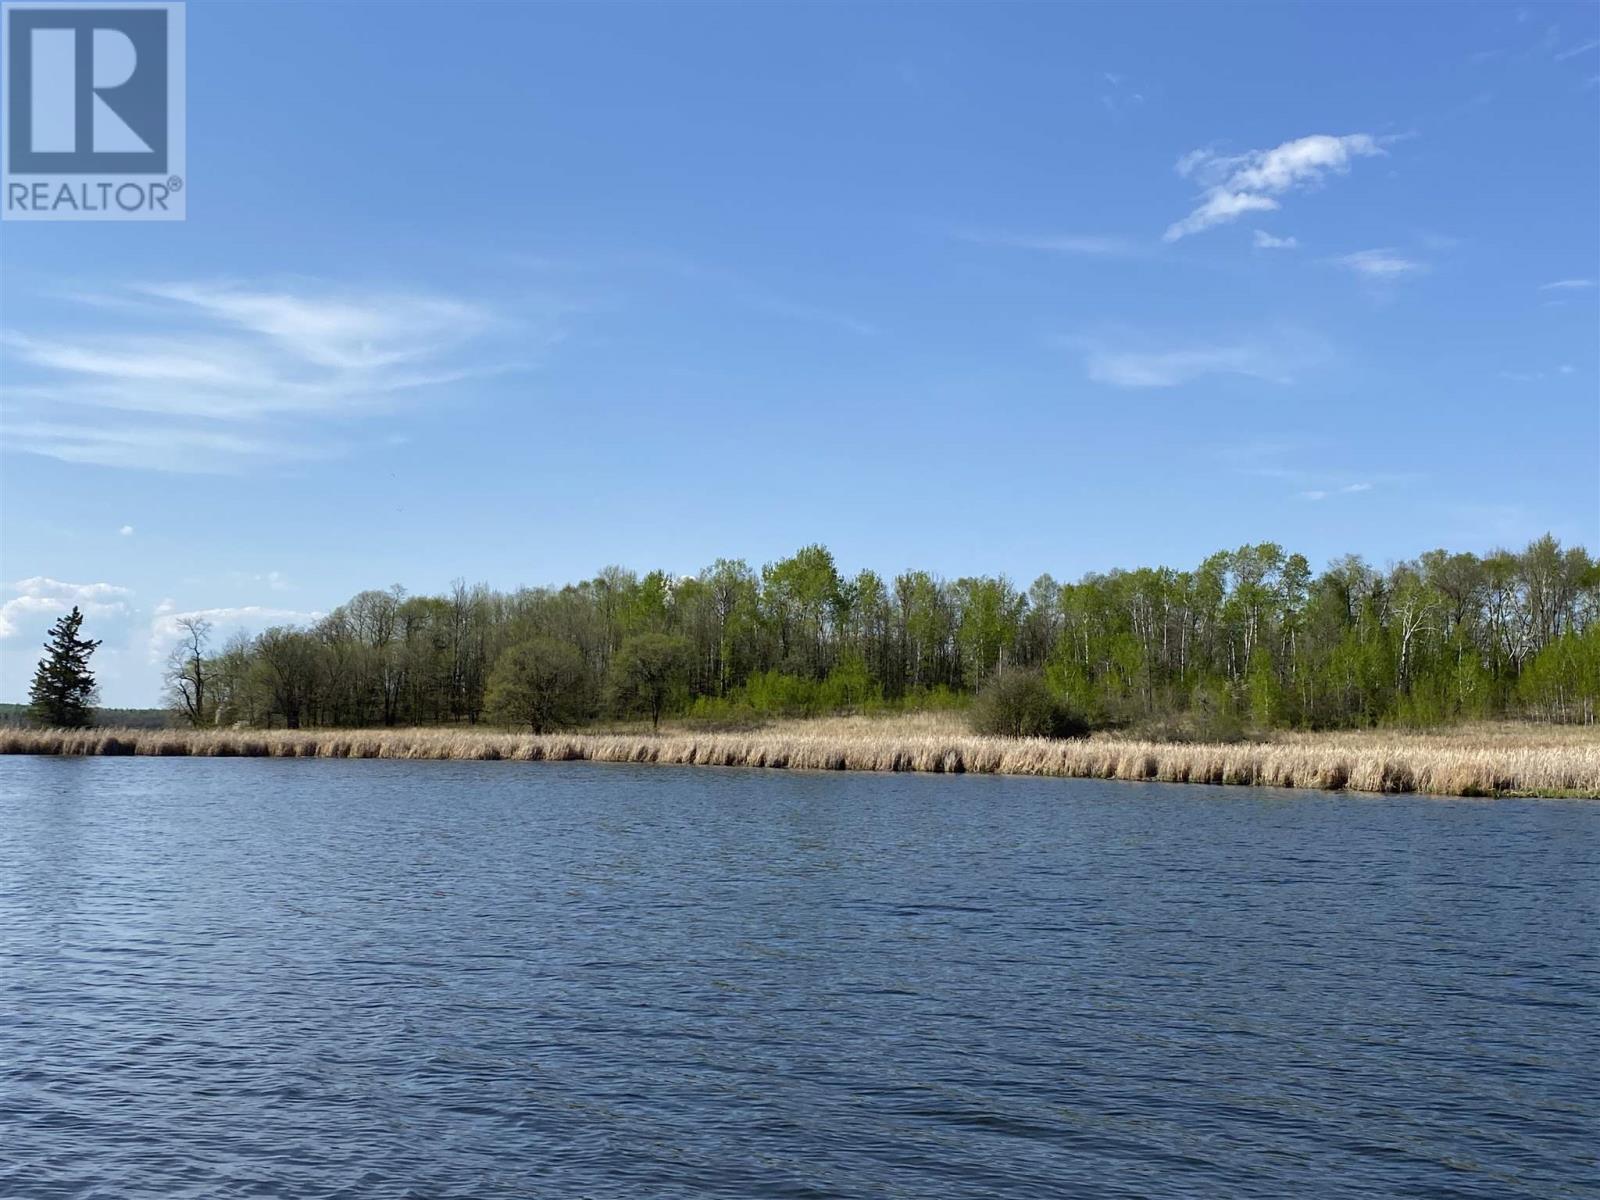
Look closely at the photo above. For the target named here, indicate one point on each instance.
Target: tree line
(1248, 637)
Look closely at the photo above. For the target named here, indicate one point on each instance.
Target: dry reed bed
(1474, 761)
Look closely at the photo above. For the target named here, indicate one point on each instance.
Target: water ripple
(275, 978)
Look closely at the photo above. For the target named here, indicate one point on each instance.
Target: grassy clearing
(1477, 760)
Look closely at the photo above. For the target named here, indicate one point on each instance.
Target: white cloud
(1566, 285)
(250, 618)
(1220, 206)
(1134, 363)
(1119, 95)
(1267, 241)
(1235, 185)
(199, 367)
(253, 355)
(1574, 51)
(1171, 367)
(126, 531)
(1536, 376)
(1379, 264)
(40, 596)
(277, 581)
(1090, 244)
(347, 333)
(1348, 489)
(154, 447)
(80, 593)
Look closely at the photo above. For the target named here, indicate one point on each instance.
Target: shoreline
(1494, 761)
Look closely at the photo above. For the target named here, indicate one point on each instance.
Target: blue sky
(509, 292)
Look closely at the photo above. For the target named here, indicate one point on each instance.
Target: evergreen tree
(64, 691)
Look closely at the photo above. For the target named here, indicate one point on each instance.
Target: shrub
(1213, 714)
(1189, 728)
(938, 698)
(849, 687)
(1021, 704)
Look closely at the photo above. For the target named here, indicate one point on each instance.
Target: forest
(1251, 638)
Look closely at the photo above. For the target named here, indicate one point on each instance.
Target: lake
(299, 978)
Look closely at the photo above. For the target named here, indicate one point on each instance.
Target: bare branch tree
(188, 675)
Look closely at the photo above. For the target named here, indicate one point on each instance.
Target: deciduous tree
(646, 670)
(540, 683)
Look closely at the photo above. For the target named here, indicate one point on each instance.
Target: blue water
(385, 979)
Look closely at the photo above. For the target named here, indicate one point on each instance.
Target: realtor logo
(93, 112)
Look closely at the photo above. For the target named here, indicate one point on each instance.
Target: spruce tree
(64, 691)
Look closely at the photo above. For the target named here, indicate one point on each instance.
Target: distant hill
(131, 718)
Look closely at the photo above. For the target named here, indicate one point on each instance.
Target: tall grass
(1482, 760)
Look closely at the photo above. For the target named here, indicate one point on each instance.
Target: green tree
(849, 685)
(540, 683)
(64, 691)
(285, 671)
(1562, 682)
(803, 595)
(1249, 634)
(1266, 695)
(646, 669)
(991, 610)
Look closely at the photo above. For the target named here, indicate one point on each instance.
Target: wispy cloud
(1574, 51)
(1384, 264)
(157, 447)
(1094, 245)
(197, 367)
(1536, 376)
(1130, 362)
(126, 531)
(346, 333)
(41, 597)
(1238, 184)
(778, 306)
(1118, 94)
(1349, 489)
(1567, 285)
(1268, 241)
(1332, 471)
(277, 581)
